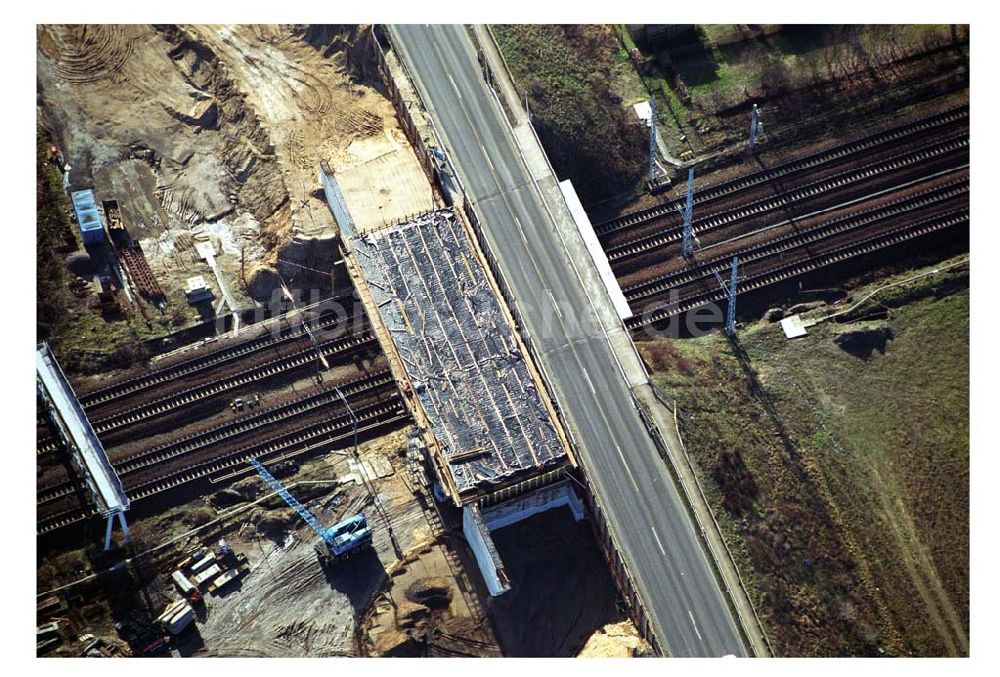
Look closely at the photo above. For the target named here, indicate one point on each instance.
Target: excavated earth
(215, 131)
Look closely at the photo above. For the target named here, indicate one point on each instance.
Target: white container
(176, 617)
(203, 562)
(182, 583)
(207, 575)
(224, 580)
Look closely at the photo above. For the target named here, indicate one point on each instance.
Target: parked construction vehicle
(341, 541)
(186, 587)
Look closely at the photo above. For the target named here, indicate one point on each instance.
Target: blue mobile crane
(342, 540)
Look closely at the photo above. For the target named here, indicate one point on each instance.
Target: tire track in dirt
(267, 621)
(83, 54)
(313, 110)
(922, 571)
(916, 560)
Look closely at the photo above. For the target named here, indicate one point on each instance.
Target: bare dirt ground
(387, 167)
(616, 640)
(435, 603)
(154, 122)
(298, 80)
(428, 608)
(288, 605)
(218, 132)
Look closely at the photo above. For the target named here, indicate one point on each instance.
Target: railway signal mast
(756, 127)
(305, 326)
(686, 250)
(731, 309)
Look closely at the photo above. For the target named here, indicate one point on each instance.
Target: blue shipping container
(88, 216)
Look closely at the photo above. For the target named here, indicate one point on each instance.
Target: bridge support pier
(111, 524)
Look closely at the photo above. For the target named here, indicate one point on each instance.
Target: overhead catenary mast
(686, 250)
(731, 308)
(652, 139)
(756, 127)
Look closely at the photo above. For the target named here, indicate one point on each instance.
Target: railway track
(759, 279)
(313, 438)
(199, 363)
(198, 441)
(787, 199)
(169, 403)
(933, 124)
(869, 218)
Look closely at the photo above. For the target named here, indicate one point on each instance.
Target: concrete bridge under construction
(535, 250)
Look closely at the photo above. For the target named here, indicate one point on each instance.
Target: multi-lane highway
(689, 615)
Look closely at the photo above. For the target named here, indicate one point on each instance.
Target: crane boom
(289, 499)
(337, 542)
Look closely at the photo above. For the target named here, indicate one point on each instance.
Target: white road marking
(454, 86)
(534, 264)
(490, 163)
(520, 231)
(555, 306)
(691, 616)
(659, 544)
(627, 469)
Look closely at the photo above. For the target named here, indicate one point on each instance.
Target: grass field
(839, 471)
(811, 81)
(802, 75)
(574, 76)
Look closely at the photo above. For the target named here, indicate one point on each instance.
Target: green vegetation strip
(837, 465)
